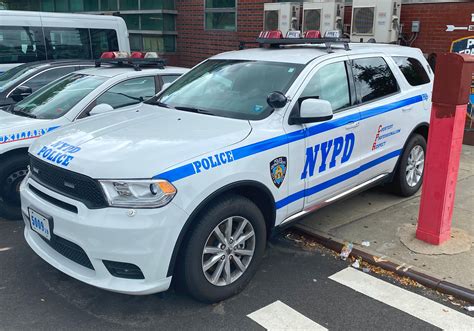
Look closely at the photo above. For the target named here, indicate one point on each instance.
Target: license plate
(40, 224)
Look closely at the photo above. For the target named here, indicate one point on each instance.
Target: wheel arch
(255, 191)
(16, 151)
(422, 129)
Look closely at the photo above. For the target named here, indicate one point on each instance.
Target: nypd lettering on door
(318, 156)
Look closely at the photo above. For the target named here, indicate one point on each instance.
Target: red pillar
(448, 115)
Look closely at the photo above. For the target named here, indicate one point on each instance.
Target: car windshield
(14, 75)
(230, 88)
(57, 98)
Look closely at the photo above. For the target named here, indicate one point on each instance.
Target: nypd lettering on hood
(24, 135)
(59, 153)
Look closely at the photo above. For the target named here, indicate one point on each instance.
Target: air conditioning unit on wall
(283, 16)
(375, 19)
(323, 15)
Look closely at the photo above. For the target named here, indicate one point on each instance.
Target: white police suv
(191, 184)
(78, 95)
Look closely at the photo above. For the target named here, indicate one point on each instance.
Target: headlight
(138, 193)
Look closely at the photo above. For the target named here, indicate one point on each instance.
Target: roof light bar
(137, 60)
(274, 39)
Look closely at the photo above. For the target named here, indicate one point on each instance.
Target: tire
(402, 185)
(196, 281)
(13, 169)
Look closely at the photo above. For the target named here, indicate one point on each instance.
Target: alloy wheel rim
(415, 166)
(228, 251)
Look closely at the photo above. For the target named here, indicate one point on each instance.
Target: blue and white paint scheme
(301, 165)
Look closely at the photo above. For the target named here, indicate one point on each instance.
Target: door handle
(352, 125)
(407, 108)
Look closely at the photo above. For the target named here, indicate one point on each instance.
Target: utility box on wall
(323, 15)
(283, 16)
(375, 19)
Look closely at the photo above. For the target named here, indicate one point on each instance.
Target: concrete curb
(383, 262)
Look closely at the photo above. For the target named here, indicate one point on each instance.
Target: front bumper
(146, 239)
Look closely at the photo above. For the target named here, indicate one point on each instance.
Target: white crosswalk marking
(406, 301)
(278, 316)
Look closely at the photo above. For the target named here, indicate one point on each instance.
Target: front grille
(54, 201)
(69, 250)
(68, 183)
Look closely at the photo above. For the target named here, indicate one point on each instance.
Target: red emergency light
(273, 34)
(312, 34)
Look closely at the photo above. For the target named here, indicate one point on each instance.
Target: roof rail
(135, 63)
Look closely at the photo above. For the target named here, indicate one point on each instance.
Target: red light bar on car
(274, 34)
(114, 55)
(312, 34)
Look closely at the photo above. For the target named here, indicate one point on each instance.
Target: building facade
(188, 31)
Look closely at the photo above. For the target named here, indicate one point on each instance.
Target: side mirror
(21, 92)
(312, 110)
(277, 100)
(101, 109)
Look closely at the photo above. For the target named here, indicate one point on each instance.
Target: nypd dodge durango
(192, 183)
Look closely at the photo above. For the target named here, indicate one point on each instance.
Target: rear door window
(373, 78)
(48, 76)
(413, 70)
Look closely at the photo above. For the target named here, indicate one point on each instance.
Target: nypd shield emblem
(278, 170)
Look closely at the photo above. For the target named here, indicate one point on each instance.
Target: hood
(137, 144)
(16, 128)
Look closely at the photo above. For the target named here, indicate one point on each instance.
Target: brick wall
(433, 18)
(195, 44)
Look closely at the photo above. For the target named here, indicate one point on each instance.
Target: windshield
(14, 75)
(230, 88)
(57, 98)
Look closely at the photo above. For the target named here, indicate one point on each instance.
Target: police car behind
(78, 95)
(192, 183)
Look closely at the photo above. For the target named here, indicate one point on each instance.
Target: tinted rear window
(373, 78)
(413, 70)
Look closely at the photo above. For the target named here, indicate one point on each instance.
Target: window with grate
(220, 15)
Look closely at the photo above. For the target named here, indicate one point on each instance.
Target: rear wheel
(224, 249)
(409, 175)
(13, 170)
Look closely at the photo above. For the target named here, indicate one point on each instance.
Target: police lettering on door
(319, 154)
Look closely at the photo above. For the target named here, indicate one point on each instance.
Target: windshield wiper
(21, 112)
(193, 110)
(157, 103)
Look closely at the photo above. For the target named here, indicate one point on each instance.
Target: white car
(192, 183)
(73, 97)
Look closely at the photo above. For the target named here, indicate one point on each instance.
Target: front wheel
(224, 249)
(409, 175)
(13, 170)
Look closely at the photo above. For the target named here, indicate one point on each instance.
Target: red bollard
(448, 115)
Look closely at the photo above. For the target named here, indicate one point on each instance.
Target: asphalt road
(34, 295)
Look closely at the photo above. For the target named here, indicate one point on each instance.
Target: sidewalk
(386, 220)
